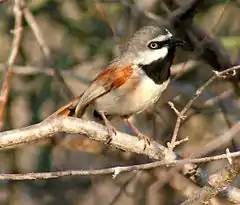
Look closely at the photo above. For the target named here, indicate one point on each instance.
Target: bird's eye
(153, 45)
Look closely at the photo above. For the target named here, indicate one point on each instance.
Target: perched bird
(132, 82)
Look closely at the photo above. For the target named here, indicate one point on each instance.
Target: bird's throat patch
(159, 70)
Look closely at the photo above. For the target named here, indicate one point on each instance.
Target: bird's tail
(74, 143)
(68, 109)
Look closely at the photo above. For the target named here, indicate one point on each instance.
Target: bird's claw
(111, 132)
(145, 138)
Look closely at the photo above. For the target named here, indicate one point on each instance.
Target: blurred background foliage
(83, 36)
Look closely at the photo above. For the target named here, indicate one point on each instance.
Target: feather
(106, 81)
(109, 79)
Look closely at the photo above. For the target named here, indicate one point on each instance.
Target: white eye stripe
(162, 37)
(149, 56)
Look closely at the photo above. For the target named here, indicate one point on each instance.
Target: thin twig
(36, 31)
(102, 11)
(97, 132)
(228, 71)
(185, 109)
(176, 110)
(217, 182)
(113, 170)
(34, 70)
(44, 48)
(17, 35)
(218, 141)
(122, 189)
(216, 75)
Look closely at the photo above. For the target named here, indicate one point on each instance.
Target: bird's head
(150, 44)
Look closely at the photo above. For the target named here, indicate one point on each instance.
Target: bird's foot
(140, 136)
(111, 129)
(111, 132)
(145, 138)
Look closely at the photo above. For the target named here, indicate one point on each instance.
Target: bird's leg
(140, 135)
(110, 128)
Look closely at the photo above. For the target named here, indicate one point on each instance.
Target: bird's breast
(135, 95)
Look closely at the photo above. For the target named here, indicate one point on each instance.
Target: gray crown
(143, 36)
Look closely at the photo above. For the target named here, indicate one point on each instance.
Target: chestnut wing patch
(114, 77)
(106, 81)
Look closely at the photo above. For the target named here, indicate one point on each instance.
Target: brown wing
(106, 81)
(114, 77)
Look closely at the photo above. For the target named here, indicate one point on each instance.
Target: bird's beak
(174, 41)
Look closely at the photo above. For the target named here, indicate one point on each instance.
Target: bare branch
(185, 109)
(216, 183)
(190, 102)
(17, 36)
(113, 170)
(74, 125)
(185, 12)
(97, 132)
(208, 46)
(44, 48)
(219, 141)
(37, 32)
(176, 69)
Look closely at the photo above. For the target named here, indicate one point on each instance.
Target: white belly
(127, 101)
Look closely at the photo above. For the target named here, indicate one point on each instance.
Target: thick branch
(185, 12)
(207, 46)
(73, 125)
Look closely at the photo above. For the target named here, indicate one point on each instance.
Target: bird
(131, 82)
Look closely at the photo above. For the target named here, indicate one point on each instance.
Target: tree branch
(181, 116)
(73, 125)
(17, 36)
(208, 46)
(217, 182)
(113, 170)
(30, 19)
